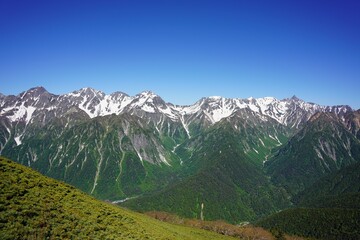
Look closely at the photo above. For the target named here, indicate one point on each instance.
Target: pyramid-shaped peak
(34, 92)
(39, 90)
(295, 98)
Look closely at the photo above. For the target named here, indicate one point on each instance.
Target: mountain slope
(33, 207)
(110, 157)
(327, 189)
(227, 176)
(323, 146)
(318, 223)
(352, 121)
(328, 209)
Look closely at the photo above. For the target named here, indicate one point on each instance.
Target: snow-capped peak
(88, 91)
(147, 94)
(215, 97)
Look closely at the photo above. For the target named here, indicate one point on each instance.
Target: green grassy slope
(33, 206)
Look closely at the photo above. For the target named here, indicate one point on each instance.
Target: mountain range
(220, 158)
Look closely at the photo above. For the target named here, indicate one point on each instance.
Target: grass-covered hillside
(33, 206)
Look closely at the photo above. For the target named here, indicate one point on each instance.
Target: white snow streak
(17, 140)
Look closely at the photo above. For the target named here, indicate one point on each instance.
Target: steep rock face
(352, 122)
(323, 146)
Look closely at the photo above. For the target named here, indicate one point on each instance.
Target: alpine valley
(232, 159)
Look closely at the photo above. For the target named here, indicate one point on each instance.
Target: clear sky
(184, 50)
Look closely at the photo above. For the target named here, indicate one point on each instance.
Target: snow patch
(163, 159)
(262, 142)
(221, 113)
(185, 126)
(17, 140)
(169, 112)
(123, 200)
(147, 108)
(29, 112)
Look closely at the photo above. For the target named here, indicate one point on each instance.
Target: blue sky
(184, 50)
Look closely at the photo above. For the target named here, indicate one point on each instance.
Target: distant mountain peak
(38, 88)
(295, 98)
(89, 90)
(215, 97)
(147, 93)
(35, 91)
(119, 93)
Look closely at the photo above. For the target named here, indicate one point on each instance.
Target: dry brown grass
(247, 232)
(242, 232)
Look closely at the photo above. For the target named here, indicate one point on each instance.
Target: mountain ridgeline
(232, 159)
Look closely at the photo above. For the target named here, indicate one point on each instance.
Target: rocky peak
(118, 95)
(90, 92)
(33, 92)
(295, 98)
(146, 95)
